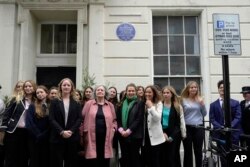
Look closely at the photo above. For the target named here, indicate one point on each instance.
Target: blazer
(135, 119)
(173, 128)
(217, 118)
(88, 129)
(57, 120)
(154, 124)
(38, 127)
(245, 121)
(12, 114)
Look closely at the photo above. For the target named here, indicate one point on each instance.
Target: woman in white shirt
(153, 130)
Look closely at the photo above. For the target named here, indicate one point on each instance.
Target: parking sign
(226, 34)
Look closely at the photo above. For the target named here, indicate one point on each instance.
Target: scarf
(126, 106)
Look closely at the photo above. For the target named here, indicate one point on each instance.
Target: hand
(149, 103)
(67, 134)
(201, 101)
(166, 136)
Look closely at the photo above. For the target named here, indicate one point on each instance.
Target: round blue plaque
(125, 32)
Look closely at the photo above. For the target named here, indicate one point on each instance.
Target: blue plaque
(125, 32)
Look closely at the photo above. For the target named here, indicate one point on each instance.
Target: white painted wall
(7, 47)
(117, 62)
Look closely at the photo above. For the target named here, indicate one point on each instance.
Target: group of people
(64, 127)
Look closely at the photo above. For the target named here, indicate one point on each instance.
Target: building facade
(120, 41)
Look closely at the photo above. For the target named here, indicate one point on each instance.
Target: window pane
(178, 84)
(160, 25)
(176, 44)
(160, 65)
(193, 65)
(192, 45)
(60, 39)
(72, 34)
(46, 38)
(161, 82)
(175, 25)
(177, 65)
(160, 45)
(190, 25)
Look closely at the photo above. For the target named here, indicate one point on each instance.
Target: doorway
(51, 76)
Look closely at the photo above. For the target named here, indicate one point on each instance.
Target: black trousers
(177, 152)
(130, 150)
(150, 154)
(16, 148)
(63, 153)
(194, 141)
(100, 160)
(2, 155)
(39, 153)
(168, 151)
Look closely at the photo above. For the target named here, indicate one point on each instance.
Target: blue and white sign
(226, 34)
(125, 32)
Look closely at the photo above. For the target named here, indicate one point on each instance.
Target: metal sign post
(226, 42)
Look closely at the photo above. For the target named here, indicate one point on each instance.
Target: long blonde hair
(174, 99)
(18, 95)
(185, 91)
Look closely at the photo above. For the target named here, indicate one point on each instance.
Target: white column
(8, 63)
(96, 42)
(205, 58)
(81, 20)
(28, 39)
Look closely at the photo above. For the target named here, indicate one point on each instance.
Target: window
(176, 51)
(58, 38)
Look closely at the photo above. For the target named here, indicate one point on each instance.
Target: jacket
(173, 128)
(216, 117)
(88, 128)
(12, 115)
(154, 124)
(135, 119)
(57, 120)
(245, 121)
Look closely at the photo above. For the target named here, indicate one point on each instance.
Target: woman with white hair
(98, 128)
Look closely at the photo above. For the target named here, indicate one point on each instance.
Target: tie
(222, 105)
(223, 109)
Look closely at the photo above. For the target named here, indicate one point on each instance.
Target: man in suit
(217, 115)
(245, 112)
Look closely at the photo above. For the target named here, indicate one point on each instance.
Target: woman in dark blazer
(65, 120)
(130, 127)
(16, 138)
(37, 123)
(170, 125)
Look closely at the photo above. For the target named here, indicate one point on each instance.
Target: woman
(112, 97)
(65, 120)
(98, 129)
(53, 93)
(130, 124)
(153, 130)
(37, 123)
(87, 94)
(78, 95)
(194, 112)
(16, 137)
(171, 125)
(140, 93)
